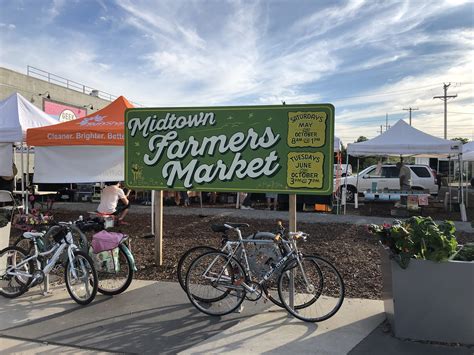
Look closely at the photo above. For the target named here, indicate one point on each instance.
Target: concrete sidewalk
(156, 317)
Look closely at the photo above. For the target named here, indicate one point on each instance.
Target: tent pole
(24, 198)
(15, 179)
(344, 189)
(449, 185)
(466, 165)
(356, 198)
(27, 166)
(462, 208)
(338, 183)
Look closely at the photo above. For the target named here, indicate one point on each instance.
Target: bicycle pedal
(239, 282)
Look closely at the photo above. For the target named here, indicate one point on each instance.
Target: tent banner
(282, 149)
(78, 164)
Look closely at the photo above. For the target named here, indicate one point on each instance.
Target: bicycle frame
(56, 250)
(293, 252)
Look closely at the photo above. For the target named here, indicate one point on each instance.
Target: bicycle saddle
(32, 235)
(222, 228)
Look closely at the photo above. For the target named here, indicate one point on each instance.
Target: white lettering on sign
(170, 122)
(167, 146)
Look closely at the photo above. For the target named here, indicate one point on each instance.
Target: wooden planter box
(430, 301)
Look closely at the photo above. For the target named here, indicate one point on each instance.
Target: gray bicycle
(309, 287)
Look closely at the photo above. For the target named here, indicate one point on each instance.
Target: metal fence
(70, 84)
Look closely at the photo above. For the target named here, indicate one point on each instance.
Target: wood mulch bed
(352, 249)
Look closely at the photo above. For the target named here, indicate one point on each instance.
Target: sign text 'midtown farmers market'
(259, 148)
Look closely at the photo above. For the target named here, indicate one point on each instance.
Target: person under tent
(404, 176)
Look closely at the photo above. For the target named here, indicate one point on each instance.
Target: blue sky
(368, 58)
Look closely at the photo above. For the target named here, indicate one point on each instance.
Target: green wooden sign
(283, 149)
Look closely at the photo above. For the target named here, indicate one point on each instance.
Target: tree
(361, 139)
(462, 140)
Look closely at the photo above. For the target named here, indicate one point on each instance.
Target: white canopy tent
(405, 140)
(17, 115)
(468, 151)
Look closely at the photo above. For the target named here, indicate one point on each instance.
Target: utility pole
(381, 129)
(411, 109)
(445, 98)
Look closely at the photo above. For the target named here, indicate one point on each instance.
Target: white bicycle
(20, 271)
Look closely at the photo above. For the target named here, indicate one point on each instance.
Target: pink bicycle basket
(106, 241)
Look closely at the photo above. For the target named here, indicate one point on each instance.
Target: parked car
(422, 178)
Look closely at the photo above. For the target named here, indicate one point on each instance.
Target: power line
(459, 113)
(387, 93)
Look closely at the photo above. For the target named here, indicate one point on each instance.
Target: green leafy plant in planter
(466, 253)
(418, 238)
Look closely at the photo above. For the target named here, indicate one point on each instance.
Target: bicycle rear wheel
(261, 258)
(317, 291)
(214, 283)
(83, 287)
(118, 280)
(79, 238)
(12, 286)
(186, 260)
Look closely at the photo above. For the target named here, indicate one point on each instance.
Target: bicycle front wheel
(81, 278)
(119, 277)
(214, 283)
(16, 282)
(311, 288)
(186, 260)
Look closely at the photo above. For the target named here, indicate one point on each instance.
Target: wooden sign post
(158, 226)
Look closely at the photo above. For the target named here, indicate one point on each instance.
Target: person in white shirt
(109, 198)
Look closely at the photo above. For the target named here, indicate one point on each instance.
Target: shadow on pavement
(155, 318)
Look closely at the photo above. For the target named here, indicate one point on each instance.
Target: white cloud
(9, 26)
(55, 9)
(193, 55)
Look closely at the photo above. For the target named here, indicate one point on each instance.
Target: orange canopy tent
(104, 127)
(88, 149)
